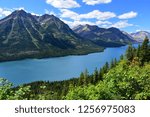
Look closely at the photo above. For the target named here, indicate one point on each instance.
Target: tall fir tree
(130, 53)
(95, 76)
(144, 51)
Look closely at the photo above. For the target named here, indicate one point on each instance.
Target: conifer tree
(121, 57)
(81, 79)
(100, 75)
(86, 75)
(112, 64)
(106, 67)
(115, 61)
(95, 76)
(130, 53)
(144, 51)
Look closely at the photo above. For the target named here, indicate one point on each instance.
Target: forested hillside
(128, 78)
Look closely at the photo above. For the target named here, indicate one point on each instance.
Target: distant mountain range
(23, 35)
(110, 37)
(140, 36)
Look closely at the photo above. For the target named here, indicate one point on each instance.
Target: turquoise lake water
(56, 69)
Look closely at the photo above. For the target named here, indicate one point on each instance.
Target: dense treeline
(128, 78)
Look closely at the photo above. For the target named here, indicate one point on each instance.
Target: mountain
(104, 37)
(140, 36)
(127, 34)
(23, 35)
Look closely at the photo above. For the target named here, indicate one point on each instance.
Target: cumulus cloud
(94, 2)
(121, 24)
(104, 23)
(69, 14)
(76, 23)
(63, 3)
(4, 12)
(128, 15)
(96, 14)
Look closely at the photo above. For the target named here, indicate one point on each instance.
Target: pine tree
(144, 52)
(86, 75)
(100, 75)
(130, 53)
(81, 79)
(138, 51)
(121, 57)
(115, 61)
(106, 67)
(95, 76)
(112, 64)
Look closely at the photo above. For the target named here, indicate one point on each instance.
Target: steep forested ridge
(126, 79)
(23, 35)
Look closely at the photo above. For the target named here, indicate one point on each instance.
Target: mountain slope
(103, 37)
(23, 35)
(140, 36)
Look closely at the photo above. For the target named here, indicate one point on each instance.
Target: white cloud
(103, 23)
(50, 12)
(63, 3)
(121, 24)
(76, 23)
(138, 30)
(96, 14)
(128, 15)
(69, 14)
(36, 14)
(4, 12)
(82, 19)
(94, 2)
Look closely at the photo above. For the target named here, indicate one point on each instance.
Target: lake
(56, 69)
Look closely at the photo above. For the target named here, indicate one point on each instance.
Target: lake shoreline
(47, 57)
(57, 56)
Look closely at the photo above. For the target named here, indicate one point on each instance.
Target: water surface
(56, 69)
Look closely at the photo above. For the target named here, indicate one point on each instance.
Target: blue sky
(128, 15)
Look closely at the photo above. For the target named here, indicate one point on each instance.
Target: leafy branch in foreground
(7, 92)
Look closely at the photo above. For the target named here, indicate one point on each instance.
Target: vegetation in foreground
(128, 78)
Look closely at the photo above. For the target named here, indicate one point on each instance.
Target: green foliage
(5, 88)
(6, 91)
(121, 82)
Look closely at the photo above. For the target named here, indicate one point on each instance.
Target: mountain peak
(91, 26)
(140, 35)
(87, 27)
(19, 12)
